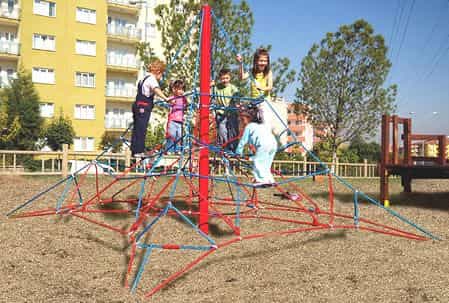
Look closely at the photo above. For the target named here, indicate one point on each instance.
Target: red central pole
(204, 119)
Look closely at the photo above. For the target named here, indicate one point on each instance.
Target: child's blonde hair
(157, 66)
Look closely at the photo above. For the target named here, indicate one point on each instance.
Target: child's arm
(160, 94)
(243, 75)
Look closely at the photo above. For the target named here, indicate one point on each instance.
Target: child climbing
(261, 85)
(227, 118)
(147, 88)
(178, 104)
(262, 77)
(265, 146)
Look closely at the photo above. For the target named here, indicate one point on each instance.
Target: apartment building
(302, 129)
(82, 57)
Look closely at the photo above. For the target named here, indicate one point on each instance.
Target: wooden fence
(61, 163)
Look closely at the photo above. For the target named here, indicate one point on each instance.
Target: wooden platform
(402, 163)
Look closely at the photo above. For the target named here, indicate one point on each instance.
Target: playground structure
(403, 163)
(190, 197)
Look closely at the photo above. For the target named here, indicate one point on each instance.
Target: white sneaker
(139, 155)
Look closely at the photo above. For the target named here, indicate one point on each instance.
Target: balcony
(117, 123)
(123, 6)
(127, 64)
(9, 16)
(5, 81)
(120, 93)
(130, 35)
(9, 49)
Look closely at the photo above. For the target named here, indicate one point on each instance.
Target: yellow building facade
(82, 57)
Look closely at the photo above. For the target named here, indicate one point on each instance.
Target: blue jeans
(227, 131)
(174, 136)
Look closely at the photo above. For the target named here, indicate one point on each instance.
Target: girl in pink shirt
(178, 104)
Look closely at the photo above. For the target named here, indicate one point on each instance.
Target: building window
(7, 76)
(85, 79)
(8, 36)
(44, 8)
(45, 42)
(150, 30)
(43, 75)
(179, 9)
(84, 47)
(47, 110)
(118, 118)
(86, 15)
(83, 144)
(85, 112)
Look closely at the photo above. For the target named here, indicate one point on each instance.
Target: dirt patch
(65, 259)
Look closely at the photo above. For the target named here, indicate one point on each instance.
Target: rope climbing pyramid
(203, 198)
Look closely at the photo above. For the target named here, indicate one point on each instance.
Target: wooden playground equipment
(398, 159)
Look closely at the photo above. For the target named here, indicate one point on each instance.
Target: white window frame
(43, 75)
(83, 144)
(118, 117)
(85, 79)
(86, 15)
(86, 47)
(43, 44)
(47, 109)
(150, 30)
(38, 8)
(84, 112)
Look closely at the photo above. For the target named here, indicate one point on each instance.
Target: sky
(418, 41)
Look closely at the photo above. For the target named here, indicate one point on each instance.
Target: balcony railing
(116, 122)
(9, 47)
(125, 92)
(121, 2)
(124, 32)
(11, 14)
(123, 61)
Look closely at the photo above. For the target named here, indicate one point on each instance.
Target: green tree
(231, 32)
(155, 136)
(342, 81)
(59, 131)
(7, 131)
(366, 150)
(175, 19)
(283, 76)
(112, 141)
(22, 101)
(146, 54)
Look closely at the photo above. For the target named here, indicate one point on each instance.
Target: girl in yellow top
(261, 86)
(262, 82)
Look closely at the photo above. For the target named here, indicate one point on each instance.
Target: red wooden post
(408, 141)
(205, 66)
(442, 141)
(384, 159)
(395, 139)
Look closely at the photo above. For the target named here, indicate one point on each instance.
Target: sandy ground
(66, 259)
